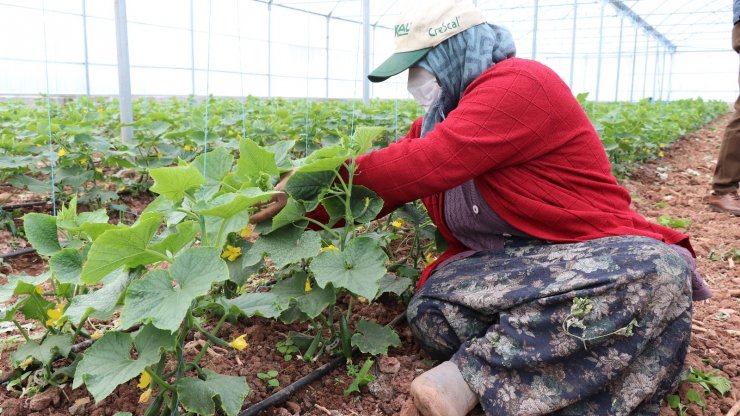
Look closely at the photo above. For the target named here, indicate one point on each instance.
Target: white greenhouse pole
(601, 47)
(647, 56)
(634, 65)
(124, 71)
(670, 76)
(365, 51)
(534, 29)
(619, 57)
(328, 25)
(192, 49)
(269, 49)
(87, 61)
(655, 73)
(662, 77)
(573, 44)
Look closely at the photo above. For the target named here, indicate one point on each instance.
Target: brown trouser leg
(727, 172)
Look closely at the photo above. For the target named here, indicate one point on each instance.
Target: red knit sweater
(533, 153)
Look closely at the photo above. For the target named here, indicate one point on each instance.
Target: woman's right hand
(272, 207)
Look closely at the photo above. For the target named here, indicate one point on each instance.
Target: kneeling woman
(553, 295)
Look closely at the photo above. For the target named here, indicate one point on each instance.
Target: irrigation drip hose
(299, 384)
(27, 250)
(11, 207)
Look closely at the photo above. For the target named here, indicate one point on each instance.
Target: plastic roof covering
(697, 25)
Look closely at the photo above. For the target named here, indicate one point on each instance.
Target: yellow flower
(99, 170)
(144, 398)
(308, 288)
(54, 315)
(239, 343)
(83, 161)
(397, 223)
(39, 290)
(662, 146)
(25, 363)
(122, 188)
(96, 335)
(232, 253)
(661, 154)
(362, 299)
(329, 248)
(144, 380)
(187, 147)
(61, 152)
(245, 232)
(429, 259)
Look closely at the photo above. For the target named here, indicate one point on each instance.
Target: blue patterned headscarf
(459, 60)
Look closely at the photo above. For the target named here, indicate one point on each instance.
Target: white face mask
(423, 87)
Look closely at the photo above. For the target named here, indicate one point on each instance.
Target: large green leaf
(201, 396)
(254, 161)
(101, 304)
(21, 285)
(325, 159)
(292, 212)
(393, 284)
(108, 362)
(285, 246)
(67, 266)
(309, 186)
(365, 205)
(154, 298)
(36, 307)
(176, 238)
(51, 347)
(217, 164)
(374, 339)
(238, 273)
(41, 231)
(287, 292)
(173, 182)
(126, 247)
(228, 205)
(358, 268)
(362, 140)
(224, 226)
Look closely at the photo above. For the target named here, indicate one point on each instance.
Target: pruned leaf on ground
(41, 231)
(101, 304)
(108, 362)
(374, 339)
(284, 246)
(51, 347)
(128, 247)
(358, 268)
(154, 298)
(201, 396)
(360, 377)
(172, 182)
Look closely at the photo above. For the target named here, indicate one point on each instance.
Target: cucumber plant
(185, 255)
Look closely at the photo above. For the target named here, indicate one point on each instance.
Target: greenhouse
(355, 207)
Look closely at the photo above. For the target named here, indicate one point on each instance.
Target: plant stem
(23, 331)
(212, 338)
(202, 352)
(159, 255)
(159, 381)
(324, 227)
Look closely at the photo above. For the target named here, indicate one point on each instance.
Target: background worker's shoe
(442, 391)
(725, 203)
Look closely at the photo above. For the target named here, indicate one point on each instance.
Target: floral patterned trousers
(594, 328)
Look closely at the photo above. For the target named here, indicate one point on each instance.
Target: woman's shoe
(442, 391)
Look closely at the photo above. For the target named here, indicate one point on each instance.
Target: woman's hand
(272, 207)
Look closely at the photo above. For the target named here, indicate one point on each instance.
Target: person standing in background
(724, 197)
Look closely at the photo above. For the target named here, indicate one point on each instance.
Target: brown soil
(688, 165)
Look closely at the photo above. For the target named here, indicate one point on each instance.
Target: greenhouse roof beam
(639, 21)
(298, 9)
